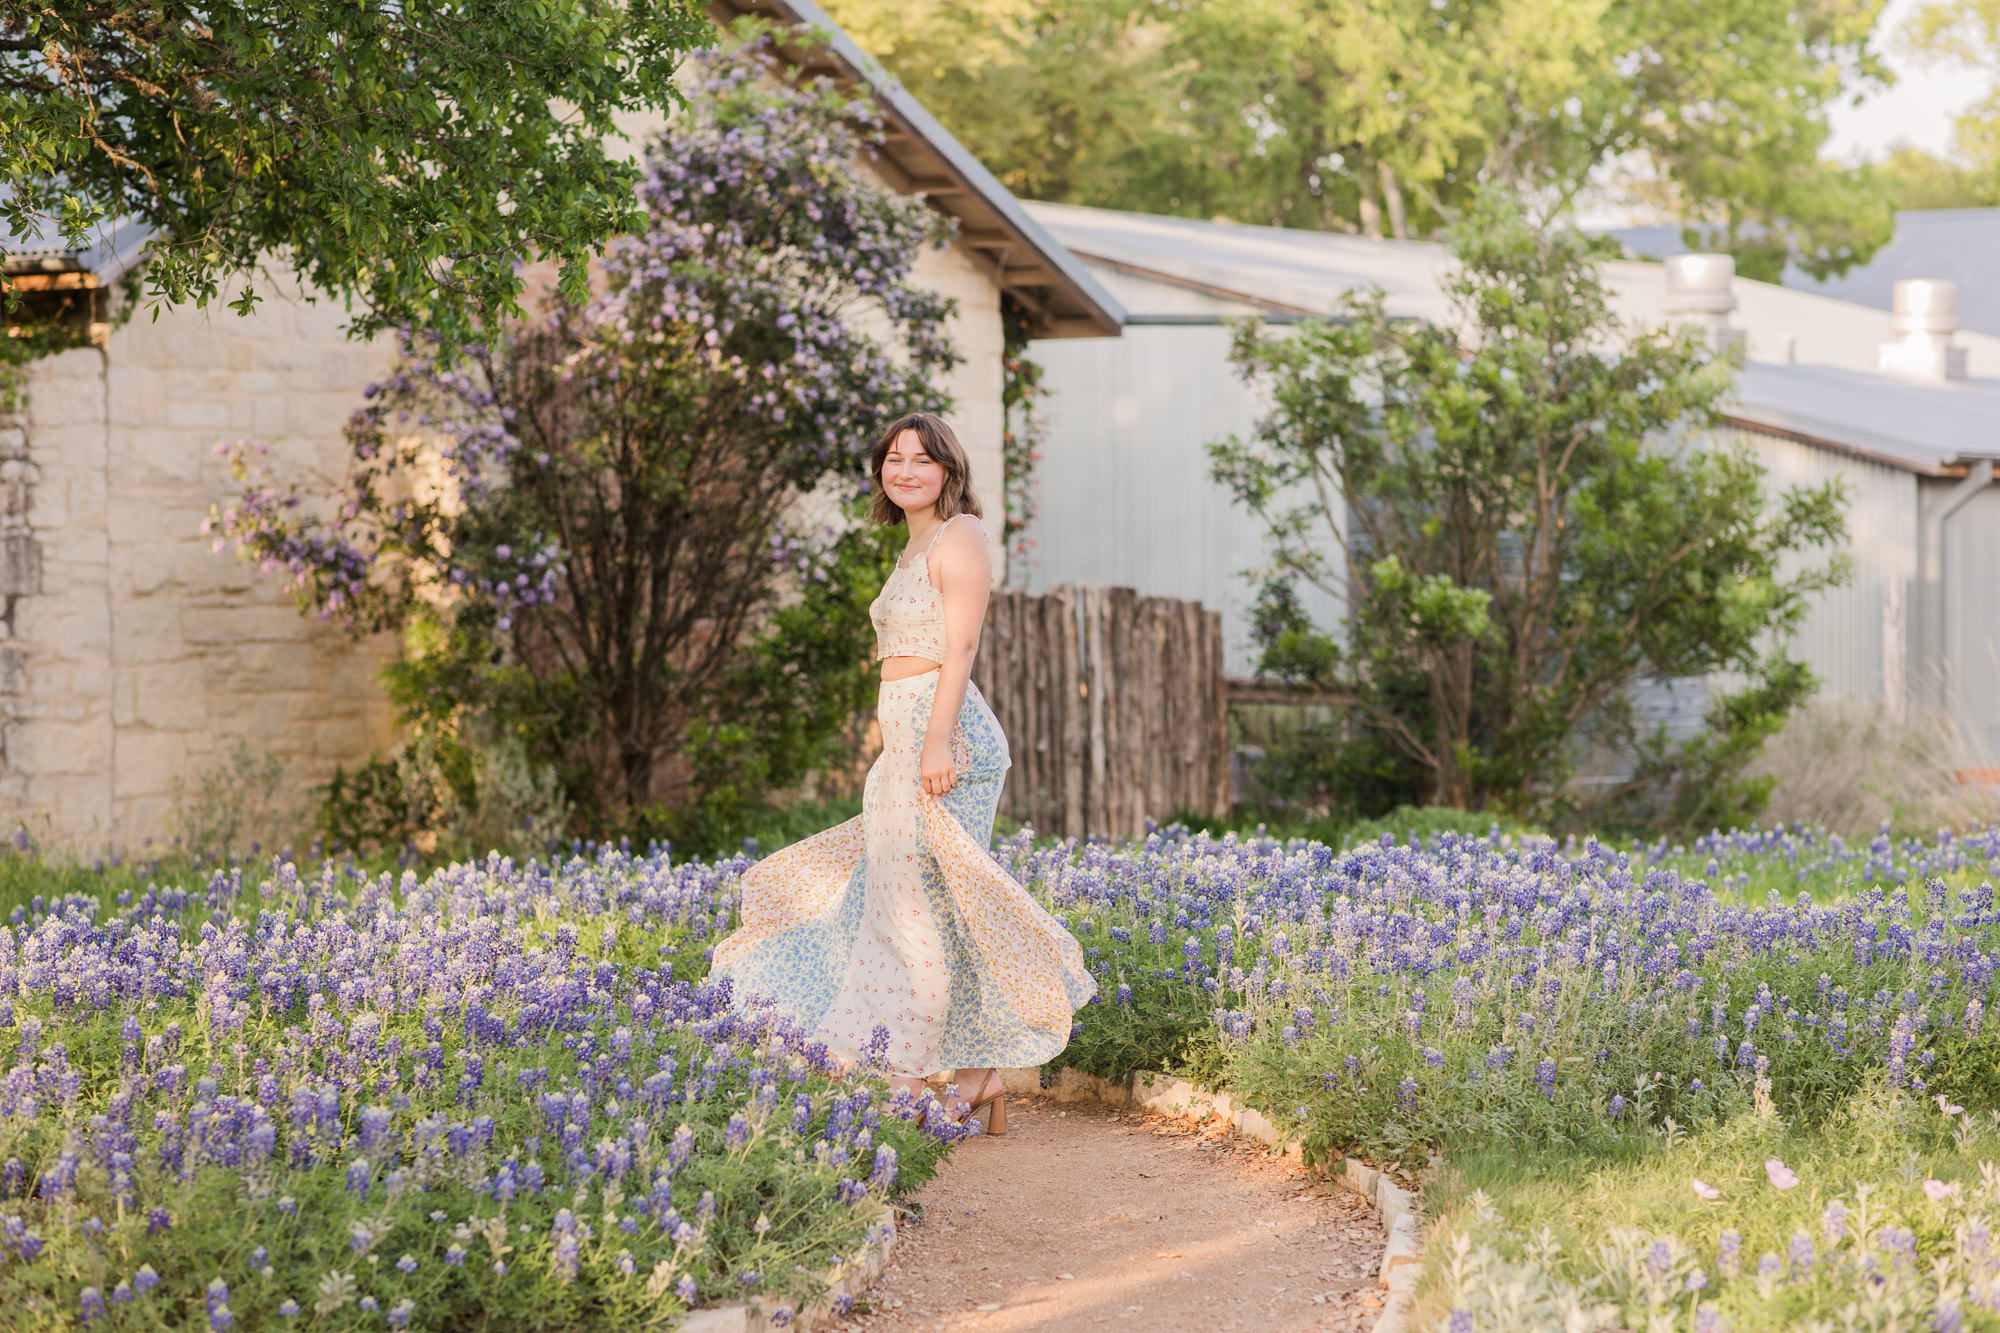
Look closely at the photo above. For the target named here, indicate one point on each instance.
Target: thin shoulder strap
(940, 532)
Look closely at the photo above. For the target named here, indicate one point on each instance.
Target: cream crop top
(909, 612)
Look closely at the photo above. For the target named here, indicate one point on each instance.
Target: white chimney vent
(1924, 321)
(1701, 290)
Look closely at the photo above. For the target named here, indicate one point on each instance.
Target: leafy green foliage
(406, 158)
(1511, 513)
(789, 708)
(1883, 1229)
(1700, 784)
(1424, 824)
(1385, 116)
(1964, 33)
(1021, 394)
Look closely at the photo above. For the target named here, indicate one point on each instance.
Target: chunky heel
(990, 1107)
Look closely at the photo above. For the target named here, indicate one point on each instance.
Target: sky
(1918, 110)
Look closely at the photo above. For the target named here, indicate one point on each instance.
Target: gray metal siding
(1125, 493)
(1842, 636)
(1972, 622)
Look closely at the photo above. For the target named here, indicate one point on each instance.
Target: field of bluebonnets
(1744, 1084)
(497, 1097)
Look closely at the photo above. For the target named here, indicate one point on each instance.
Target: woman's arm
(963, 573)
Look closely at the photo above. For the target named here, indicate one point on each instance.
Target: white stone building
(133, 658)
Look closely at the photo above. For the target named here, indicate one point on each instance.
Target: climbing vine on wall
(1021, 394)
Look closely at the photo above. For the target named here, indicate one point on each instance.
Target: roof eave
(1021, 256)
(1853, 444)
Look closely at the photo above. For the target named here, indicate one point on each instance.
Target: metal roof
(1840, 402)
(1935, 429)
(1961, 245)
(115, 247)
(1275, 268)
(922, 157)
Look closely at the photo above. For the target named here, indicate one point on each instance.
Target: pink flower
(1705, 1190)
(1947, 1107)
(1782, 1176)
(1939, 1191)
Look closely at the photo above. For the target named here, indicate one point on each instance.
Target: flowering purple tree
(600, 506)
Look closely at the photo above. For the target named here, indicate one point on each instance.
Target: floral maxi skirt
(901, 920)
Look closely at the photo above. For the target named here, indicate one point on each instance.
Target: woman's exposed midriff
(902, 668)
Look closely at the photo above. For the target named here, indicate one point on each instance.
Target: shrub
(1505, 508)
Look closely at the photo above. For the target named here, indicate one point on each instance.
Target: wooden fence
(1113, 705)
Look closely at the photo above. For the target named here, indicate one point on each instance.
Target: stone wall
(141, 656)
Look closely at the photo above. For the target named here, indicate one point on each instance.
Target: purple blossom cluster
(502, 1078)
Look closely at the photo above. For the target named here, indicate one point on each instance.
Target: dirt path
(1083, 1216)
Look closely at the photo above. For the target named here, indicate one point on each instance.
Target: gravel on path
(1083, 1216)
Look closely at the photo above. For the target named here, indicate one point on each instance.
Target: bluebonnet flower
(1729, 1255)
(1801, 1256)
(1833, 1223)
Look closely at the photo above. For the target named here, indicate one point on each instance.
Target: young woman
(899, 921)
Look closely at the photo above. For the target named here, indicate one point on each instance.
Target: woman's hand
(940, 773)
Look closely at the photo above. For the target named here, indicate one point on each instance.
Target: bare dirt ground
(1083, 1216)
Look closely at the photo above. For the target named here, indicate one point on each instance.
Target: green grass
(1536, 1242)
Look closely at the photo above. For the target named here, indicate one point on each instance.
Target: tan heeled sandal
(993, 1103)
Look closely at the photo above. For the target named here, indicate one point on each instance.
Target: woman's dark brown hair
(943, 447)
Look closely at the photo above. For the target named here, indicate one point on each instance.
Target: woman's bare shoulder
(962, 547)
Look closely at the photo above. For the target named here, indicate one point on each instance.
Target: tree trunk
(1371, 214)
(1392, 196)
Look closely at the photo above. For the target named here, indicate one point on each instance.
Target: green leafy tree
(1964, 33)
(406, 157)
(1383, 115)
(1520, 524)
(1931, 180)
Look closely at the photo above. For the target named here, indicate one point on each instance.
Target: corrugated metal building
(1126, 496)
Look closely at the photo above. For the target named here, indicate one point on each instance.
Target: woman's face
(910, 476)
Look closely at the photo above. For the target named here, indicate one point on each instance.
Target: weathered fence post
(1113, 704)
